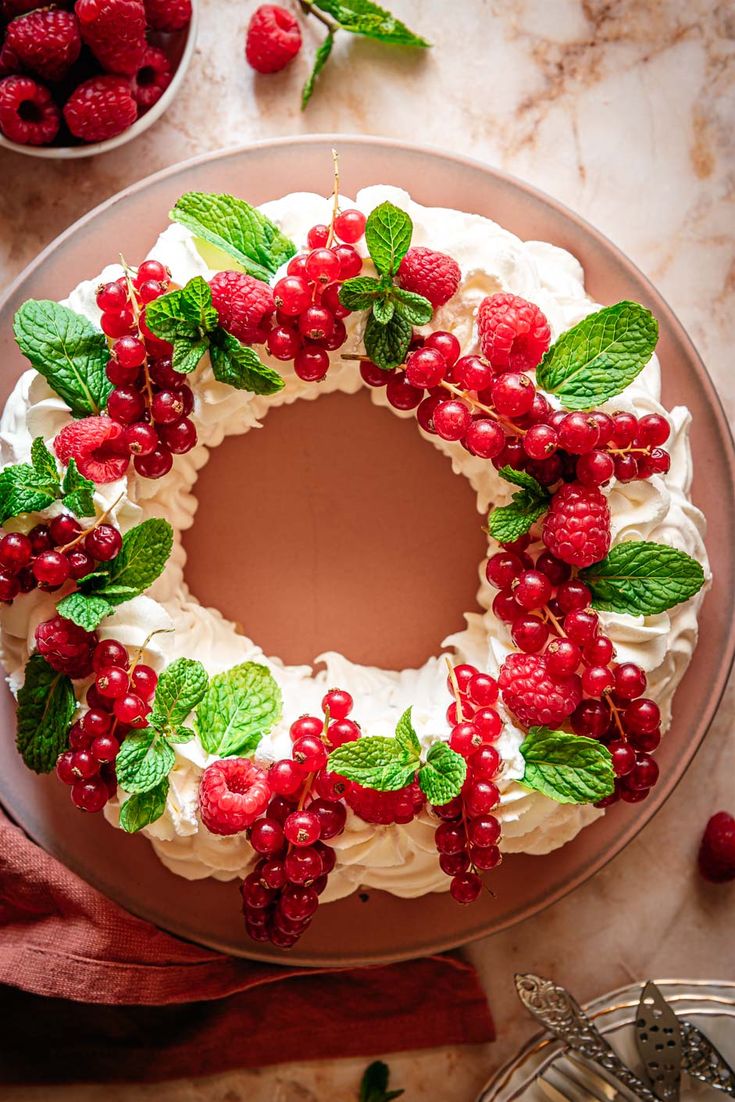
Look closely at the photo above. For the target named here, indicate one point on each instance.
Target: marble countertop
(624, 111)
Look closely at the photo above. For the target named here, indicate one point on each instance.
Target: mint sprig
(570, 769)
(321, 57)
(239, 707)
(508, 523)
(144, 759)
(240, 367)
(143, 808)
(179, 689)
(443, 775)
(600, 356)
(30, 487)
(68, 351)
(374, 1084)
(643, 578)
(236, 228)
(46, 704)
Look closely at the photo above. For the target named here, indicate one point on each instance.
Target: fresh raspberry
(28, 115)
(168, 15)
(514, 334)
(385, 807)
(436, 276)
(533, 695)
(717, 850)
(152, 79)
(9, 62)
(232, 794)
(67, 648)
(273, 38)
(114, 30)
(100, 108)
(577, 525)
(47, 42)
(98, 446)
(244, 305)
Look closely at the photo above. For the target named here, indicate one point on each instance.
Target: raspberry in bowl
(78, 82)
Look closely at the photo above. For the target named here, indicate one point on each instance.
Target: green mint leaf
(186, 312)
(180, 734)
(374, 1084)
(366, 18)
(46, 704)
(526, 481)
(387, 345)
(85, 609)
(144, 807)
(43, 462)
(570, 769)
(383, 310)
(179, 689)
(321, 57)
(388, 234)
(143, 760)
(600, 356)
(26, 488)
(374, 762)
(187, 354)
(237, 229)
(78, 492)
(240, 706)
(509, 522)
(443, 775)
(415, 308)
(360, 292)
(68, 351)
(407, 738)
(643, 578)
(239, 366)
(142, 557)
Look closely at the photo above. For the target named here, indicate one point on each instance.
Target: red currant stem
(466, 397)
(144, 644)
(615, 712)
(136, 318)
(549, 615)
(86, 531)
(335, 197)
(629, 451)
(455, 689)
(325, 727)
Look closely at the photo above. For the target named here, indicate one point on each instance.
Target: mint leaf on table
(570, 769)
(387, 345)
(442, 776)
(77, 492)
(239, 366)
(28, 487)
(46, 704)
(239, 707)
(321, 57)
(388, 232)
(68, 351)
(375, 762)
(144, 807)
(143, 760)
(508, 523)
(179, 689)
(406, 737)
(600, 356)
(360, 292)
(643, 578)
(417, 309)
(236, 228)
(366, 18)
(374, 1084)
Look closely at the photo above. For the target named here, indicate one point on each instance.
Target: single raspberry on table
(168, 15)
(46, 41)
(114, 30)
(28, 115)
(577, 525)
(98, 446)
(67, 648)
(100, 108)
(152, 78)
(717, 850)
(273, 38)
(514, 333)
(385, 807)
(434, 275)
(233, 792)
(533, 695)
(244, 305)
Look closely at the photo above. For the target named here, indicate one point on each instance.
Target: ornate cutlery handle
(704, 1062)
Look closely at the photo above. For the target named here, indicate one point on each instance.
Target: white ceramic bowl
(91, 149)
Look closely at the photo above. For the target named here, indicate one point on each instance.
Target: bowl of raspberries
(79, 77)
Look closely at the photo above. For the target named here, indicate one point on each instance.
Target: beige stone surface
(625, 112)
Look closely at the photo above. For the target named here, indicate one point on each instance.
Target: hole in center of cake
(336, 526)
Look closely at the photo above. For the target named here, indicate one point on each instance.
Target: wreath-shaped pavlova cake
(522, 728)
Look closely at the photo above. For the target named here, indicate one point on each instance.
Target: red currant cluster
(309, 316)
(467, 838)
(549, 615)
(304, 813)
(499, 415)
(118, 702)
(150, 400)
(54, 553)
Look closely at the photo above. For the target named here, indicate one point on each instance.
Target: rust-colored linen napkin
(93, 993)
